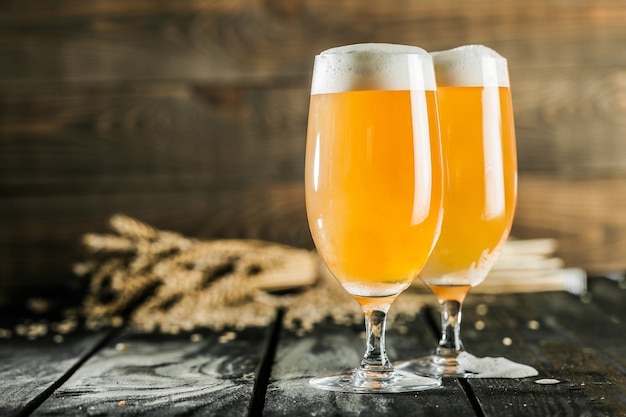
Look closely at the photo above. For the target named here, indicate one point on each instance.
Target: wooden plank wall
(191, 115)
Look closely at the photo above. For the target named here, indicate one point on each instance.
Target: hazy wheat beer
(478, 142)
(373, 167)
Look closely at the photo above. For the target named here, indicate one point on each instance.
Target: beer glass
(478, 146)
(373, 180)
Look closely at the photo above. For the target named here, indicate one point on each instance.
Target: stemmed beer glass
(373, 182)
(478, 145)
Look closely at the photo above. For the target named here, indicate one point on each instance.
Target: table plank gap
(556, 333)
(187, 374)
(33, 404)
(264, 370)
(431, 316)
(472, 397)
(33, 370)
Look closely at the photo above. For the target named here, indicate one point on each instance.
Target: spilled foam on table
(489, 367)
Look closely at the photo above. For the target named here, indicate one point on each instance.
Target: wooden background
(191, 115)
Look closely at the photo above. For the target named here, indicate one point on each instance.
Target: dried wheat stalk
(171, 283)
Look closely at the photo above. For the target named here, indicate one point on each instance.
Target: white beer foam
(471, 65)
(494, 367)
(373, 66)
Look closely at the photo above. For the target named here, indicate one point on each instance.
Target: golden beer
(478, 141)
(373, 223)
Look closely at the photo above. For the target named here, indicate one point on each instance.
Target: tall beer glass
(374, 186)
(478, 141)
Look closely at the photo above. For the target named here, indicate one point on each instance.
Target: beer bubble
(471, 65)
(373, 66)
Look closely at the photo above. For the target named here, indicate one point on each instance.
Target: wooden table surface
(581, 342)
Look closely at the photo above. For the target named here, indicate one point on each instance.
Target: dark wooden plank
(30, 369)
(610, 296)
(272, 211)
(564, 338)
(569, 210)
(566, 121)
(252, 39)
(180, 135)
(592, 327)
(331, 348)
(185, 131)
(161, 375)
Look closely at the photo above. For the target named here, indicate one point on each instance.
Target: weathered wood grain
(568, 121)
(568, 125)
(577, 341)
(587, 215)
(536, 329)
(332, 348)
(560, 335)
(168, 135)
(159, 375)
(29, 369)
(251, 40)
(609, 296)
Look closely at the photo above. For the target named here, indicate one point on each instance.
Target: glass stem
(450, 342)
(375, 358)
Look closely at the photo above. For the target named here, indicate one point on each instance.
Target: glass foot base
(359, 381)
(435, 366)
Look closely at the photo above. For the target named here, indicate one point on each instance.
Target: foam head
(373, 66)
(471, 65)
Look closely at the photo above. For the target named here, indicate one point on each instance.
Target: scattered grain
(534, 325)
